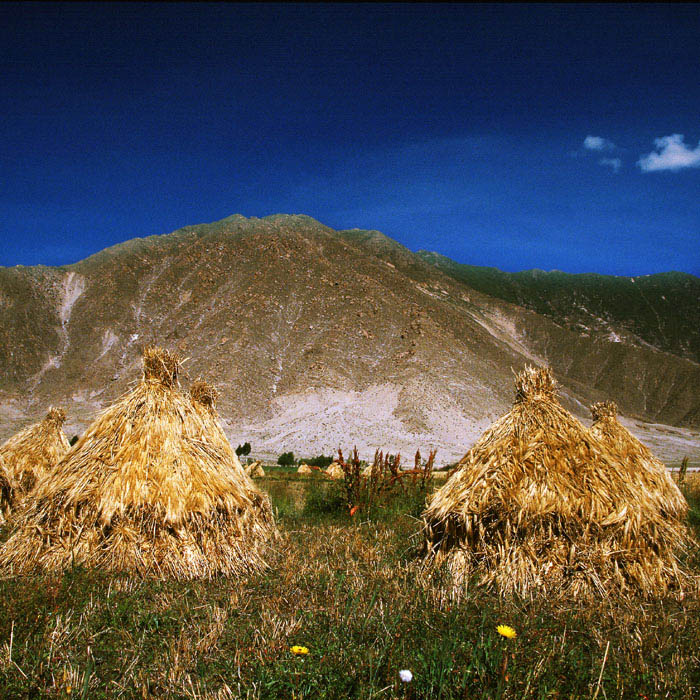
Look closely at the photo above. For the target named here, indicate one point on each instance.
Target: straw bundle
(31, 453)
(150, 488)
(304, 469)
(204, 398)
(255, 470)
(335, 471)
(539, 505)
(651, 476)
(367, 471)
(6, 492)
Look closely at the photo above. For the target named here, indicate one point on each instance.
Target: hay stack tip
(161, 365)
(603, 409)
(56, 415)
(535, 383)
(204, 394)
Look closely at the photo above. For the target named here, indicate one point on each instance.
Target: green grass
(349, 590)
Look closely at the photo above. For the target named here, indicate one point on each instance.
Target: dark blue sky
(448, 127)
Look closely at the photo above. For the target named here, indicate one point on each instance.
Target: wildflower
(506, 631)
(69, 690)
(298, 650)
(406, 676)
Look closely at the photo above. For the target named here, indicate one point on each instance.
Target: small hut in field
(651, 476)
(148, 488)
(33, 452)
(304, 469)
(335, 471)
(539, 505)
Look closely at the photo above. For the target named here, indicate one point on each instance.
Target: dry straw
(541, 506)
(255, 470)
(6, 492)
(335, 471)
(369, 471)
(151, 487)
(29, 455)
(650, 475)
(304, 469)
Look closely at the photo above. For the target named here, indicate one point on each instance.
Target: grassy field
(349, 590)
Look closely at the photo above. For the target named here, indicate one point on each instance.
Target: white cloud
(671, 154)
(614, 163)
(598, 143)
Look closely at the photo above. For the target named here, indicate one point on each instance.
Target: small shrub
(286, 459)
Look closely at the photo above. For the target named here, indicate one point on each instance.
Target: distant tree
(321, 461)
(286, 459)
(243, 449)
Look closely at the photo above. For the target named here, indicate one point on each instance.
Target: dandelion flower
(506, 631)
(298, 650)
(406, 676)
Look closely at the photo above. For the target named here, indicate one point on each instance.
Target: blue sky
(516, 136)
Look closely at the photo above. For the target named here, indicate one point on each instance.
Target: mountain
(661, 311)
(316, 338)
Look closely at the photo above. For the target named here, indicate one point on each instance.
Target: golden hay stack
(33, 452)
(651, 476)
(255, 470)
(6, 492)
(367, 471)
(539, 505)
(335, 471)
(148, 488)
(304, 469)
(204, 398)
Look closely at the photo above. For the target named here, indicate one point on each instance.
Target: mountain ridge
(315, 338)
(629, 306)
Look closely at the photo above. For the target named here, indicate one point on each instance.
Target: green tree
(286, 459)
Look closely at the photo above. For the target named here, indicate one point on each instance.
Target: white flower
(406, 676)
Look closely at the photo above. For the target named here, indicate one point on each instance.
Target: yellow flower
(298, 650)
(69, 690)
(506, 631)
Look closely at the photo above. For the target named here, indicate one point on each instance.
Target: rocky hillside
(315, 338)
(661, 311)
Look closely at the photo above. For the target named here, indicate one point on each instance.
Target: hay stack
(651, 476)
(204, 398)
(6, 492)
(539, 505)
(255, 470)
(31, 453)
(335, 471)
(149, 488)
(304, 469)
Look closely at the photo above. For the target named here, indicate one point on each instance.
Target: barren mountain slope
(661, 310)
(314, 337)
